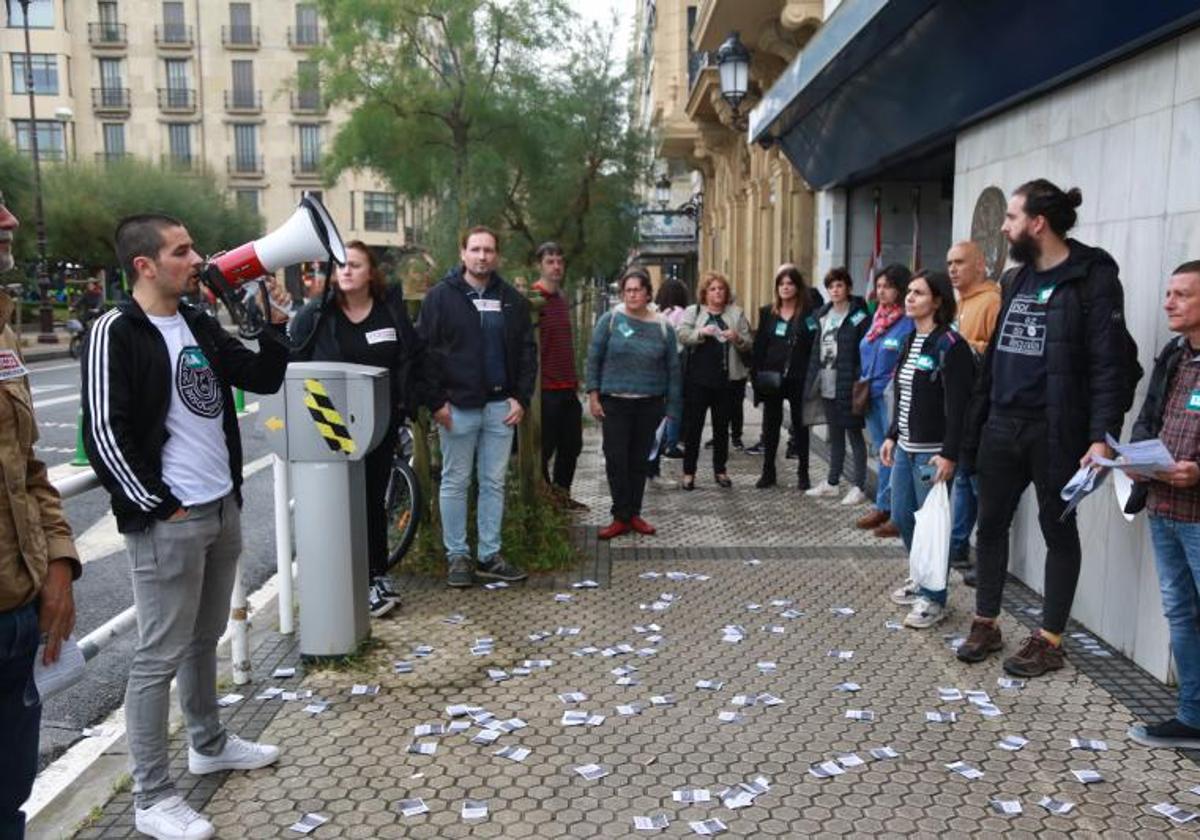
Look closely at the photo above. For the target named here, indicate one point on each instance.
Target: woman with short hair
(933, 386)
(833, 368)
(713, 333)
(632, 382)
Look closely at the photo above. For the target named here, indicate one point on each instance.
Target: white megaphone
(309, 235)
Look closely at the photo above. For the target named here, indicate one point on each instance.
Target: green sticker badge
(857, 317)
(1193, 403)
(1044, 293)
(891, 344)
(925, 362)
(781, 328)
(193, 358)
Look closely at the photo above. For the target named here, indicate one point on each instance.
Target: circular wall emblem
(985, 229)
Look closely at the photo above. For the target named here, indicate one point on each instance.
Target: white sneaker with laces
(907, 594)
(925, 613)
(237, 755)
(854, 497)
(172, 819)
(823, 488)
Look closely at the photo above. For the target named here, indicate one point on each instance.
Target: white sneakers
(906, 594)
(925, 613)
(854, 497)
(237, 755)
(823, 488)
(172, 819)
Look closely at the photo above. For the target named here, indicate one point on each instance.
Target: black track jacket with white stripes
(127, 385)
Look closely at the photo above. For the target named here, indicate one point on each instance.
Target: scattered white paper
(423, 747)
(860, 714)
(309, 823)
(691, 795)
(1056, 806)
(1174, 813)
(474, 809)
(412, 807)
(229, 700)
(883, 753)
(1006, 807)
(1087, 777)
(657, 822)
(283, 674)
(826, 769)
(965, 770)
(941, 717)
(361, 690)
(848, 687)
(708, 828)
(514, 753)
(849, 760)
(591, 772)
(1012, 743)
(1088, 744)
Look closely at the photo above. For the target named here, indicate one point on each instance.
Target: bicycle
(402, 500)
(79, 329)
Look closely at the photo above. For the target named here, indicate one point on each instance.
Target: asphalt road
(104, 590)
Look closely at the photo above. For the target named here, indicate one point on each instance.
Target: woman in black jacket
(833, 368)
(933, 382)
(365, 322)
(779, 362)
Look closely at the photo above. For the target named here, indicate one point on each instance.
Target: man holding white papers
(37, 565)
(1171, 413)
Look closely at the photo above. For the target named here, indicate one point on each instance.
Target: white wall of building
(829, 233)
(1129, 138)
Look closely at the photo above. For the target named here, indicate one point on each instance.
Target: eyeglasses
(634, 291)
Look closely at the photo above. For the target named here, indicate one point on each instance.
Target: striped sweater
(558, 350)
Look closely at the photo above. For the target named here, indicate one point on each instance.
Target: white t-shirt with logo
(195, 460)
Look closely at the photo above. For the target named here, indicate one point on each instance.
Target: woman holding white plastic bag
(933, 383)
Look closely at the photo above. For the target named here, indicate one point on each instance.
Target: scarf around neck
(885, 316)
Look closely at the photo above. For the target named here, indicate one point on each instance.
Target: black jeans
(737, 407)
(562, 436)
(698, 400)
(20, 716)
(629, 425)
(1012, 453)
(378, 469)
(772, 408)
(837, 448)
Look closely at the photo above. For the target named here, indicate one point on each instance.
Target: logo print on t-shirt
(197, 383)
(1024, 329)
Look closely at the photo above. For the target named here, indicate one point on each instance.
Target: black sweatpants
(629, 425)
(378, 469)
(772, 408)
(698, 400)
(562, 436)
(737, 407)
(1012, 453)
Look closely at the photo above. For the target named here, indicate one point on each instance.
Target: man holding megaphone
(162, 433)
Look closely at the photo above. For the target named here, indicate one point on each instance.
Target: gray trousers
(183, 574)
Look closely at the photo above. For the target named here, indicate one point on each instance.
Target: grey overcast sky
(601, 11)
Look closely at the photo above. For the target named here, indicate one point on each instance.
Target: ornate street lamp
(662, 191)
(733, 63)
(45, 312)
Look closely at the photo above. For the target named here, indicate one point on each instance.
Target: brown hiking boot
(872, 519)
(887, 530)
(1036, 656)
(984, 639)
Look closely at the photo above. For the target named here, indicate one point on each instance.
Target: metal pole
(283, 545)
(239, 636)
(46, 336)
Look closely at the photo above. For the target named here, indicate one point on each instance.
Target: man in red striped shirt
(562, 414)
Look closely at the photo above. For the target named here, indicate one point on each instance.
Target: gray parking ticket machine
(323, 422)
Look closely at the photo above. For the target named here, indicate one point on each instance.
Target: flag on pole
(875, 264)
(916, 226)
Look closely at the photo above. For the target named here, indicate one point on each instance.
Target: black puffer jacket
(1150, 419)
(850, 333)
(1085, 347)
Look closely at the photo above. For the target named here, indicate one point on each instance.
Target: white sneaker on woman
(925, 613)
(854, 497)
(823, 488)
(907, 594)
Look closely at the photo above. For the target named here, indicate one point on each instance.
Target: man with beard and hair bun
(1054, 382)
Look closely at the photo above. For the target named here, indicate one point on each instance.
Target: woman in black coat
(782, 347)
(833, 368)
(364, 321)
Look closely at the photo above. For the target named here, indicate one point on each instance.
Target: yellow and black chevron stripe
(326, 418)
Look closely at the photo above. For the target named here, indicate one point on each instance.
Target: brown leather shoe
(887, 530)
(572, 504)
(1035, 657)
(642, 526)
(983, 640)
(872, 519)
(615, 529)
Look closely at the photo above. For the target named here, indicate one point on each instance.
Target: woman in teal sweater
(632, 382)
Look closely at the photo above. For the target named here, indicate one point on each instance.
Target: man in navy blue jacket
(482, 363)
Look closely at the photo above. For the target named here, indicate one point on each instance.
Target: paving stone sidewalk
(778, 565)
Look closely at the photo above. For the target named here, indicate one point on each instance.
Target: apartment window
(174, 23)
(114, 140)
(379, 211)
(308, 93)
(179, 141)
(310, 148)
(110, 74)
(243, 84)
(108, 12)
(178, 94)
(247, 200)
(306, 24)
(45, 74)
(241, 30)
(41, 14)
(51, 145)
(245, 148)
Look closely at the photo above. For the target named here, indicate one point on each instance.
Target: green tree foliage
(506, 114)
(83, 203)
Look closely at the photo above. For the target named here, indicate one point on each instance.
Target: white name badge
(380, 336)
(486, 305)
(10, 365)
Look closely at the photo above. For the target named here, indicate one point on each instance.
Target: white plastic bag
(929, 559)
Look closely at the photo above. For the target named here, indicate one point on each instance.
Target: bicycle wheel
(75, 346)
(403, 506)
